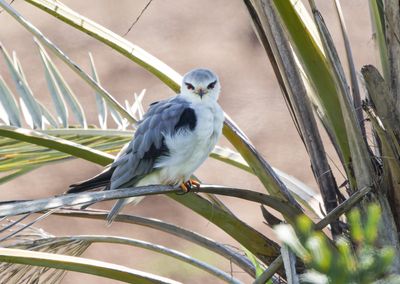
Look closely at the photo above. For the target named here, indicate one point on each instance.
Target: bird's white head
(200, 86)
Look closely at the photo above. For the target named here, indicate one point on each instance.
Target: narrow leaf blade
(66, 91)
(55, 92)
(100, 103)
(24, 91)
(9, 104)
(48, 117)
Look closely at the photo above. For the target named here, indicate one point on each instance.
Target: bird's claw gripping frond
(188, 185)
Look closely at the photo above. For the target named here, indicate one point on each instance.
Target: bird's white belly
(189, 149)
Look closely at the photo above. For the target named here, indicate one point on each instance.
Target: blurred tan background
(185, 34)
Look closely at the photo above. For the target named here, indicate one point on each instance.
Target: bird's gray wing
(138, 158)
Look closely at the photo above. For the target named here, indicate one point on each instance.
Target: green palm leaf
(59, 144)
(84, 265)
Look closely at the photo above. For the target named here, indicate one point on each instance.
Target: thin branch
(138, 17)
(12, 1)
(159, 225)
(343, 207)
(270, 271)
(150, 63)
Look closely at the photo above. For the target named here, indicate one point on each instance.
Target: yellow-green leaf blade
(59, 144)
(79, 264)
(320, 74)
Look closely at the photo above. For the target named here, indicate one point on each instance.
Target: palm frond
(17, 235)
(221, 249)
(73, 263)
(45, 243)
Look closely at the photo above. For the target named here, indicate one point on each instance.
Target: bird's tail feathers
(121, 204)
(100, 180)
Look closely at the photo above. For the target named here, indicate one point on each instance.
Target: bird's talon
(192, 184)
(185, 188)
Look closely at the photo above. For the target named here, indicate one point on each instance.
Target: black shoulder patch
(154, 103)
(187, 120)
(153, 153)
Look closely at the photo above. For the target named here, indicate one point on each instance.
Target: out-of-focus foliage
(354, 259)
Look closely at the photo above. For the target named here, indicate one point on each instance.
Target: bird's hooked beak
(201, 93)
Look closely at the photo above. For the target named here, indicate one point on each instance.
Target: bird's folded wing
(138, 158)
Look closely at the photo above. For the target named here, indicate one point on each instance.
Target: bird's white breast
(189, 149)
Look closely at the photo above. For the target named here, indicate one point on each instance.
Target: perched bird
(172, 140)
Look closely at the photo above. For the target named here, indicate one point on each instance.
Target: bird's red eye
(211, 85)
(189, 86)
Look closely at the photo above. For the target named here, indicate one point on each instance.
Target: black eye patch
(212, 85)
(189, 86)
